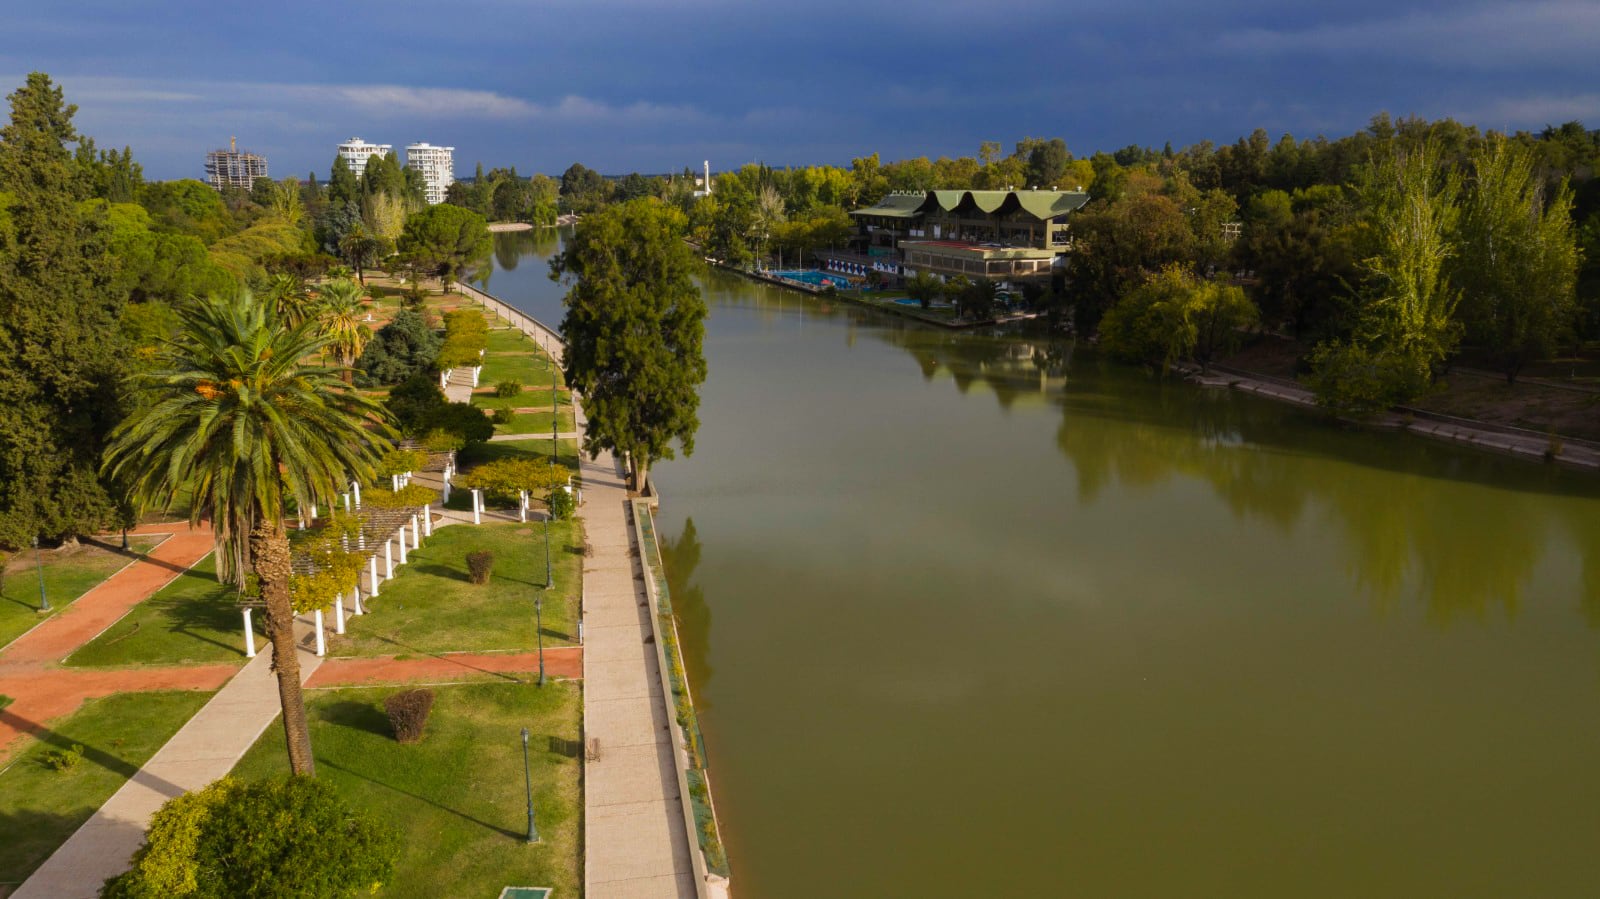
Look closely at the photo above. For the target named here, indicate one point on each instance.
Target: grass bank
(431, 607)
(457, 797)
(68, 574)
(193, 620)
(40, 806)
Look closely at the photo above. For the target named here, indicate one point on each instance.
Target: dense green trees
(62, 361)
(634, 327)
(1175, 316)
(404, 347)
(234, 422)
(1517, 259)
(445, 240)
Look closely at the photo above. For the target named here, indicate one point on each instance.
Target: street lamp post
(44, 601)
(533, 835)
(538, 627)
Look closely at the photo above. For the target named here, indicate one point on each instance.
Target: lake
(980, 615)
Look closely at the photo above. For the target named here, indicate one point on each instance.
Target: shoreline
(1529, 446)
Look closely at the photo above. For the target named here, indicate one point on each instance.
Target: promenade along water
(974, 615)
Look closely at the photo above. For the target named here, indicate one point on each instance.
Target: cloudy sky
(640, 85)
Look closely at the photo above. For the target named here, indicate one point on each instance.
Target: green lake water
(970, 615)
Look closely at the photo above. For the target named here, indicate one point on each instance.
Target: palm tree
(360, 249)
(286, 297)
(239, 417)
(342, 306)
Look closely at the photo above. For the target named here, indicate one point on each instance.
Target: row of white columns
(421, 525)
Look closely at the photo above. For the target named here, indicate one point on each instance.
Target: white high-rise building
(356, 152)
(437, 165)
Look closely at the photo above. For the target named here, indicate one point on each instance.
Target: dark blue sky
(625, 85)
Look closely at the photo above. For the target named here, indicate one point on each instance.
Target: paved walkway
(635, 841)
(203, 750)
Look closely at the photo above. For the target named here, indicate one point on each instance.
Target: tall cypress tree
(61, 363)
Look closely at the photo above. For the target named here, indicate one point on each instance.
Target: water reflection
(681, 558)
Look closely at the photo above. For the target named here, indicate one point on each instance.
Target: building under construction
(234, 167)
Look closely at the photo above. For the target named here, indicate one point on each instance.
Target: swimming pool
(812, 276)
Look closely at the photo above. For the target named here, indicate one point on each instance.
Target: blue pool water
(812, 276)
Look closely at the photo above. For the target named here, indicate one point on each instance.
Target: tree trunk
(269, 547)
(641, 471)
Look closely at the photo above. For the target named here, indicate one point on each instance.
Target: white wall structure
(437, 165)
(356, 152)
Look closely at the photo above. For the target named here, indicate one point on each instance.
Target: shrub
(64, 759)
(507, 389)
(400, 461)
(562, 504)
(464, 419)
(439, 440)
(480, 564)
(279, 837)
(408, 714)
(502, 416)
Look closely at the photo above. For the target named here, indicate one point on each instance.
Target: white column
(477, 370)
(372, 572)
(522, 505)
(249, 636)
(394, 483)
(313, 511)
(427, 520)
(355, 487)
(416, 532)
(405, 480)
(477, 506)
(446, 491)
(402, 535)
(322, 643)
(388, 560)
(346, 497)
(444, 379)
(338, 614)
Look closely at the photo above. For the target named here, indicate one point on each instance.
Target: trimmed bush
(287, 836)
(479, 566)
(64, 759)
(439, 440)
(408, 714)
(562, 504)
(507, 389)
(502, 416)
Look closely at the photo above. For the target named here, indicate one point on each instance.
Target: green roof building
(1002, 235)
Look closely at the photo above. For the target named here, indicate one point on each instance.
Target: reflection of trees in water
(1467, 532)
(511, 246)
(681, 557)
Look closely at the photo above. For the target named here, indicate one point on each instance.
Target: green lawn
(40, 807)
(512, 356)
(457, 797)
(68, 574)
(430, 606)
(535, 423)
(193, 619)
(538, 398)
(567, 452)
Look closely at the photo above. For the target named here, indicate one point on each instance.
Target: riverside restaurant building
(1003, 235)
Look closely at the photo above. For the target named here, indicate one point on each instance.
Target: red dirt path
(109, 600)
(566, 661)
(41, 691)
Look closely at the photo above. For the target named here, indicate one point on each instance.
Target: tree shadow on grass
(93, 754)
(362, 716)
(30, 838)
(513, 834)
(441, 571)
(189, 617)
